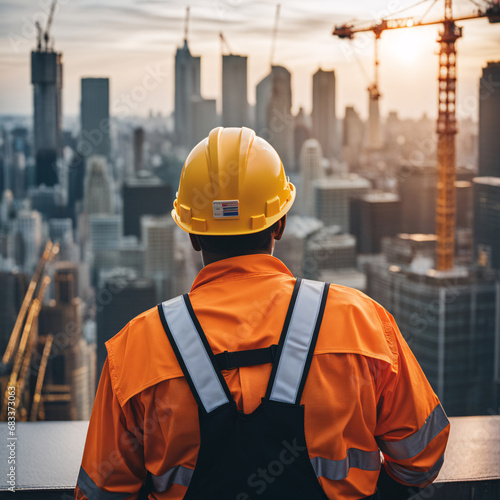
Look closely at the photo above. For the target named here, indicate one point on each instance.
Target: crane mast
(446, 131)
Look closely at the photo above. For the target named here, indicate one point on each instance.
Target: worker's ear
(280, 228)
(195, 242)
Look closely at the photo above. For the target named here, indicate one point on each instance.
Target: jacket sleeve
(113, 458)
(412, 427)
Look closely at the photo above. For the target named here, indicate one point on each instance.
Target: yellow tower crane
(446, 122)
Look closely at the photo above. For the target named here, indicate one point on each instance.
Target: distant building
(203, 118)
(489, 121)
(159, 258)
(332, 197)
(94, 115)
(48, 200)
(234, 91)
(413, 252)
(187, 85)
(301, 132)
(373, 217)
(132, 254)
(487, 222)
(324, 118)
(291, 249)
(374, 128)
(329, 249)
(311, 169)
(129, 297)
(97, 193)
(417, 188)
(274, 120)
(138, 149)
(61, 231)
(68, 389)
(144, 196)
(464, 204)
(46, 77)
(449, 319)
(105, 232)
(28, 225)
(352, 138)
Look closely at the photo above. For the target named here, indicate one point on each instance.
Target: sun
(407, 46)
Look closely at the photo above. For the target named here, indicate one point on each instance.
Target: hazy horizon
(125, 41)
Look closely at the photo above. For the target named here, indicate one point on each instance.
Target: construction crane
(223, 43)
(21, 369)
(275, 34)
(37, 396)
(46, 34)
(49, 253)
(17, 358)
(446, 122)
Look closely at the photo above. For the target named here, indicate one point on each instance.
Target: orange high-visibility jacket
(365, 391)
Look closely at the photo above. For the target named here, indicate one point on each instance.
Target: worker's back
(354, 390)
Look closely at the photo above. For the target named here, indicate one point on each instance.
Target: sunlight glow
(406, 46)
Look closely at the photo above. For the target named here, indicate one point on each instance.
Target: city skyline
(142, 37)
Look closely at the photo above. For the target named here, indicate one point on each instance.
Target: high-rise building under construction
(46, 77)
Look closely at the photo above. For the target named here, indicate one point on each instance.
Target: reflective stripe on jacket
(365, 390)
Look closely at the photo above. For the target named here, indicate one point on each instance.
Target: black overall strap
(194, 354)
(236, 359)
(297, 341)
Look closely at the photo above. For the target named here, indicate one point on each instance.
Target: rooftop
(49, 454)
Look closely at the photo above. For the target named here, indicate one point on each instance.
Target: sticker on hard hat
(226, 208)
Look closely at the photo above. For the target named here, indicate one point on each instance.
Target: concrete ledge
(48, 457)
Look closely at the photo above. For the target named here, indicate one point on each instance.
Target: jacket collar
(238, 267)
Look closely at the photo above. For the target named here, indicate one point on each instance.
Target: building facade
(324, 121)
(489, 121)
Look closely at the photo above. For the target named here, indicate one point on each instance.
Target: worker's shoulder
(355, 323)
(140, 356)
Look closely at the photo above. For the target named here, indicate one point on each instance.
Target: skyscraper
(144, 196)
(187, 85)
(234, 91)
(274, 120)
(489, 121)
(417, 188)
(352, 138)
(28, 225)
(138, 149)
(105, 232)
(332, 196)
(311, 157)
(203, 118)
(487, 222)
(46, 77)
(158, 240)
(301, 132)
(130, 297)
(94, 116)
(97, 192)
(373, 217)
(374, 128)
(323, 113)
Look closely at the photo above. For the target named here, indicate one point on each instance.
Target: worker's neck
(210, 258)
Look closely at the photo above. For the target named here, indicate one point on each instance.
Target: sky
(127, 40)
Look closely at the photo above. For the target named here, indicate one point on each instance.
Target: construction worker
(257, 385)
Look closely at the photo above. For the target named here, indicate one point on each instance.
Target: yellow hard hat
(233, 182)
